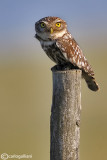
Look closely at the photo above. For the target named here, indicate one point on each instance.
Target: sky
(87, 21)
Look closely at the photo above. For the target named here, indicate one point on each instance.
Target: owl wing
(72, 52)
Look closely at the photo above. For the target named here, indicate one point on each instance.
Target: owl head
(50, 28)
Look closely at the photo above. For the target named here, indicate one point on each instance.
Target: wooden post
(65, 115)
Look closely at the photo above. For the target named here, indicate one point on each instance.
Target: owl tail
(91, 83)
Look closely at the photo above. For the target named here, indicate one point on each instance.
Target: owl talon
(63, 67)
(56, 68)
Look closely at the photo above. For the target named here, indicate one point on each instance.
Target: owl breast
(53, 52)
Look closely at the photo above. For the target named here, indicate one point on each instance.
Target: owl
(61, 47)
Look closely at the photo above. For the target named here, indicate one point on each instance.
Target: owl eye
(58, 24)
(42, 25)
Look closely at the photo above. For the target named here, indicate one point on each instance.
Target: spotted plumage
(61, 47)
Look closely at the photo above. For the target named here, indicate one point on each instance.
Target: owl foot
(63, 67)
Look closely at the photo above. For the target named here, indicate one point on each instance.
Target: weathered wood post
(65, 115)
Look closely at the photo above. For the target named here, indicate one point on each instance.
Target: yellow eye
(42, 25)
(58, 24)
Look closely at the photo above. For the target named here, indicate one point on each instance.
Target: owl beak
(51, 30)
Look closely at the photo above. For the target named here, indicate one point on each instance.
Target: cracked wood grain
(65, 115)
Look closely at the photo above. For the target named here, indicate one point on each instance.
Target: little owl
(61, 48)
